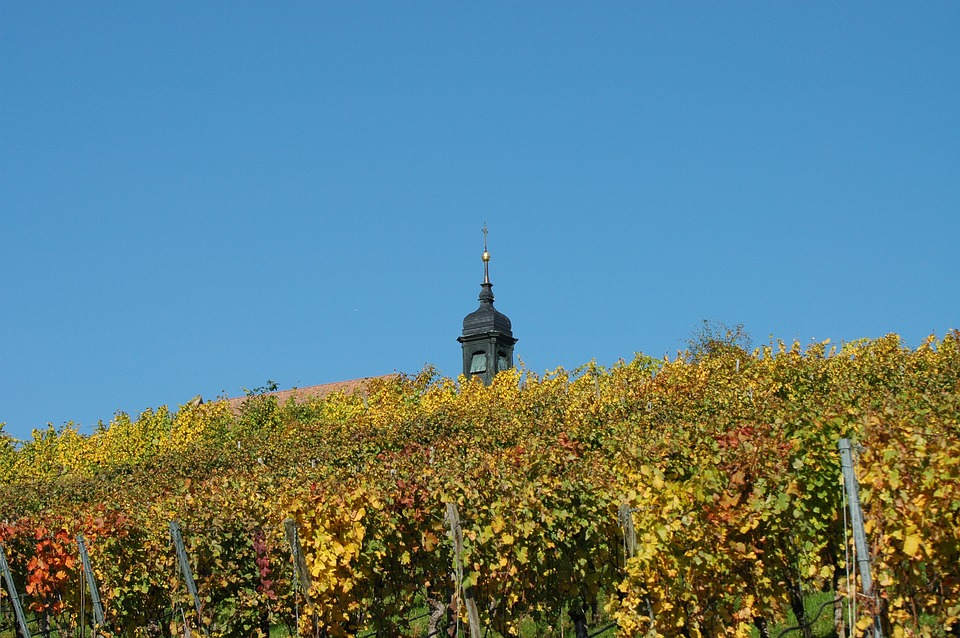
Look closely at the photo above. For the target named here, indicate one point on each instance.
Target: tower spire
(486, 256)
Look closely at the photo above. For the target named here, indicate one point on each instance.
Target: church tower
(487, 338)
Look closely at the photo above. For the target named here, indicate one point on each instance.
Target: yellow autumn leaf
(911, 545)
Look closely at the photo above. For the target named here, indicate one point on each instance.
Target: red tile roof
(303, 395)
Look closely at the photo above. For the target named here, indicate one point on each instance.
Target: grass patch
(818, 609)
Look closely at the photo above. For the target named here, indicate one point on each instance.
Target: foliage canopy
(728, 463)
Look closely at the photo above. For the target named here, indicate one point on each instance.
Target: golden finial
(486, 256)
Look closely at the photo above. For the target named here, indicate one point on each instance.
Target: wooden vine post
(187, 572)
(625, 516)
(300, 571)
(852, 488)
(629, 534)
(14, 597)
(91, 584)
(463, 593)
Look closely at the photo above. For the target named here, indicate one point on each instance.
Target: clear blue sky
(199, 197)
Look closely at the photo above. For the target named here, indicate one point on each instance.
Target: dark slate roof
(486, 318)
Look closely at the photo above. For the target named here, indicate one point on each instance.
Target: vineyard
(725, 465)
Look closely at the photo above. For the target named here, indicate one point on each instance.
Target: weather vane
(485, 256)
